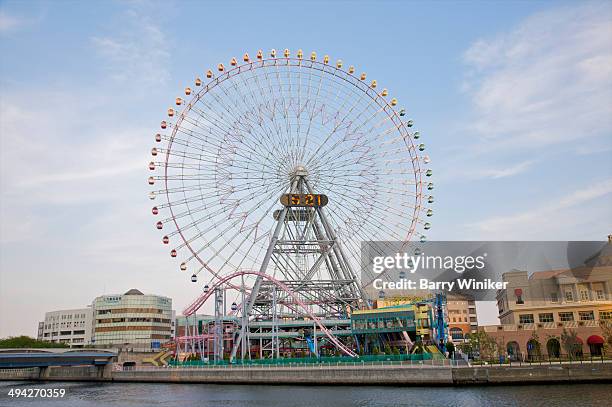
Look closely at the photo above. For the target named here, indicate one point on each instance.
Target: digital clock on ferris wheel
(304, 200)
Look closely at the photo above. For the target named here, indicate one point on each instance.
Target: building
(461, 316)
(548, 304)
(72, 327)
(142, 321)
(41, 330)
(185, 326)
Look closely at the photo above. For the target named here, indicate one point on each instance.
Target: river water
(205, 395)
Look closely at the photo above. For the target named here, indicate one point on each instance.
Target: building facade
(72, 327)
(538, 311)
(145, 321)
(461, 316)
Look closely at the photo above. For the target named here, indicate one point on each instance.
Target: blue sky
(513, 99)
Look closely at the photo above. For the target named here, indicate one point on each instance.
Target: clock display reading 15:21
(310, 200)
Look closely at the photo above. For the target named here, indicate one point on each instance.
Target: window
(456, 333)
(586, 315)
(600, 294)
(566, 316)
(547, 317)
(526, 319)
(519, 299)
(554, 297)
(584, 295)
(569, 296)
(605, 314)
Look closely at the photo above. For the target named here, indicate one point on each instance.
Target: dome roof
(134, 291)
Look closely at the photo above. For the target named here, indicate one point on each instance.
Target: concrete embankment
(380, 375)
(335, 375)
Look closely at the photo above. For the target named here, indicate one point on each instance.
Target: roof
(133, 291)
(602, 258)
(540, 275)
(578, 272)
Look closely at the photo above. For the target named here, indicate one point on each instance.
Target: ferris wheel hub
(299, 171)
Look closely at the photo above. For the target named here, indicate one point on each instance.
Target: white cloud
(506, 172)
(543, 220)
(45, 159)
(548, 81)
(8, 22)
(139, 51)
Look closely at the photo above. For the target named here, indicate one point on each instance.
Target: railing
(529, 360)
(13, 373)
(540, 325)
(313, 360)
(426, 363)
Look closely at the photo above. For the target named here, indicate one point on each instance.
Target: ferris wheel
(232, 145)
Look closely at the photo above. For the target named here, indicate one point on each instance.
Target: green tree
(482, 343)
(450, 347)
(466, 347)
(27, 342)
(395, 350)
(418, 348)
(387, 349)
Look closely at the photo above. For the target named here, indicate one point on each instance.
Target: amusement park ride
(272, 171)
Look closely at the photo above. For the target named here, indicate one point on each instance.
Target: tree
(450, 347)
(466, 347)
(483, 343)
(418, 348)
(28, 342)
(387, 349)
(395, 350)
(606, 330)
(571, 343)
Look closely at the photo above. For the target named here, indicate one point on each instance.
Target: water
(205, 395)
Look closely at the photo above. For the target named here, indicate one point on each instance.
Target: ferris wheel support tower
(302, 229)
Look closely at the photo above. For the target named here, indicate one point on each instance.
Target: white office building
(73, 327)
(143, 320)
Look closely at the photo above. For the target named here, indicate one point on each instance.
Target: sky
(513, 100)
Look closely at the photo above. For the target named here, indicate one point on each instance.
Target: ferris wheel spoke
(343, 122)
(267, 131)
(224, 209)
(221, 234)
